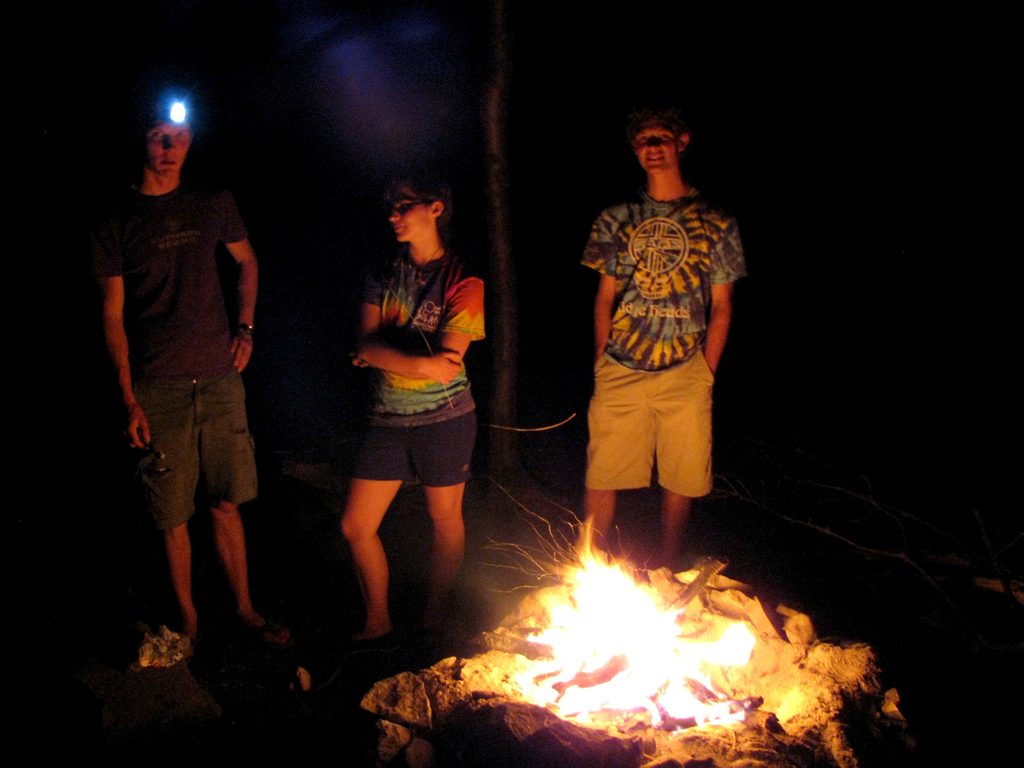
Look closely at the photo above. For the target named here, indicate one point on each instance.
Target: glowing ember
(618, 647)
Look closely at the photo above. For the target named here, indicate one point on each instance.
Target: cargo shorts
(199, 434)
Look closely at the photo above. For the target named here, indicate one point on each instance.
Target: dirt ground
(950, 647)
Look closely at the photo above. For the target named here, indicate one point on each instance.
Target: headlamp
(169, 108)
(178, 112)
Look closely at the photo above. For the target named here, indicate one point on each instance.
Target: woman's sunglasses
(404, 206)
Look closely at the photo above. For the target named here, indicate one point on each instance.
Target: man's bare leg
(599, 506)
(675, 514)
(229, 539)
(178, 546)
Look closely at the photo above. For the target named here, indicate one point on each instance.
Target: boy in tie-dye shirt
(667, 263)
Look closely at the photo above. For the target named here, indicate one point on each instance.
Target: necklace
(419, 269)
(437, 252)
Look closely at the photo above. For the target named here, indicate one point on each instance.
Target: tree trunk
(502, 309)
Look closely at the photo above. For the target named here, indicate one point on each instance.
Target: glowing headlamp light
(178, 112)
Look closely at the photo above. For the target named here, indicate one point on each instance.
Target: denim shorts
(436, 454)
(200, 433)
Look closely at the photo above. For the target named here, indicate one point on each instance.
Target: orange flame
(618, 646)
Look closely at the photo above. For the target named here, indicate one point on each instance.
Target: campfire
(617, 666)
(612, 646)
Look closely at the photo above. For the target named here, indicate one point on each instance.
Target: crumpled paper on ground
(165, 648)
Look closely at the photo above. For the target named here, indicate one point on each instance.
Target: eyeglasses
(403, 207)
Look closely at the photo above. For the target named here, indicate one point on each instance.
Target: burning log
(510, 643)
(581, 679)
(733, 706)
(706, 569)
(669, 723)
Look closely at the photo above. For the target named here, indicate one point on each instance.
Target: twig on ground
(906, 523)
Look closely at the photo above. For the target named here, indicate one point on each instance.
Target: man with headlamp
(178, 357)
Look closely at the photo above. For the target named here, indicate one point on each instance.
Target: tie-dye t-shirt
(417, 306)
(664, 256)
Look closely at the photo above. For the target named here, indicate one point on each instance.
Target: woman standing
(418, 318)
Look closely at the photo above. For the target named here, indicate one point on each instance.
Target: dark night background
(866, 155)
(869, 157)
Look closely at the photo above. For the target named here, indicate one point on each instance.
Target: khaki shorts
(637, 417)
(199, 430)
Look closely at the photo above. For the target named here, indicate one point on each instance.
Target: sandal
(273, 634)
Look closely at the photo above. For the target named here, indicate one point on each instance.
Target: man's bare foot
(371, 633)
(251, 619)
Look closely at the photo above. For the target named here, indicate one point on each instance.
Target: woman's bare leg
(444, 503)
(368, 501)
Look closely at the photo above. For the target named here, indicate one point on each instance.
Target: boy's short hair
(641, 118)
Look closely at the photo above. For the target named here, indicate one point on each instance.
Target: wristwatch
(247, 327)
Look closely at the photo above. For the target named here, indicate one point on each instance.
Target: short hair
(667, 117)
(424, 187)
